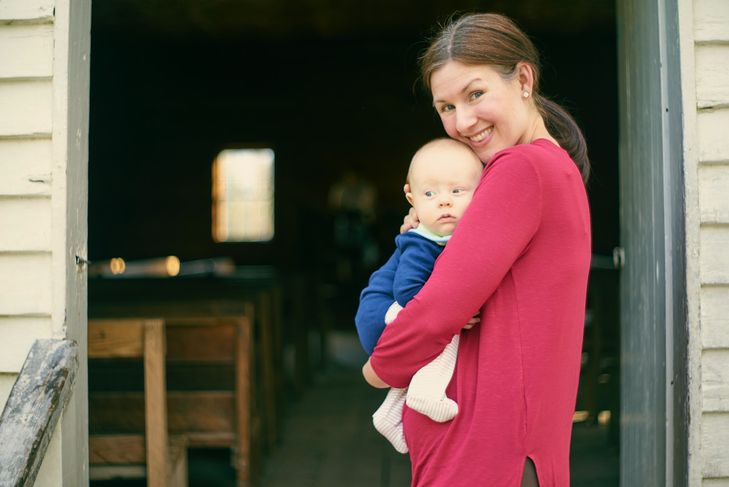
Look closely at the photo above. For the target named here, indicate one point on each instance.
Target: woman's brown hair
(495, 40)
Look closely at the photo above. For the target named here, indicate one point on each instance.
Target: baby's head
(442, 178)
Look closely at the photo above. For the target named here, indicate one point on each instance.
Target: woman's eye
(475, 95)
(446, 108)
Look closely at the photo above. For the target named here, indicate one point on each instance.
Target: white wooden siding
(711, 20)
(713, 135)
(715, 317)
(25, 166)
(26, 108)
(715, 483)
(711, 117)
(714, 182)
(25, 288)
(6, 383)
(715, 381)
(26, 10)
(714, 255)
(26, 51)
(17, 335)
(715, 436)
(25, 224)
(712, 71)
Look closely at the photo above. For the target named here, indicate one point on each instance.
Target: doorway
(327, 90)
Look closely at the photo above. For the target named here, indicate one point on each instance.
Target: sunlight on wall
(243, 195)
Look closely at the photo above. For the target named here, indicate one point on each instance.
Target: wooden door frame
(654, 333)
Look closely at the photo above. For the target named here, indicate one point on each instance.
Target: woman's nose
(465, 119)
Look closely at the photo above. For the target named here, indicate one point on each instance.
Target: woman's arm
(371, 377)
(495, 230)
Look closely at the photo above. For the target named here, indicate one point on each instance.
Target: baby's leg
(388, 419)
(426, 393)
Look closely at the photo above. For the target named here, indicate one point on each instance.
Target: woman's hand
(473, 321)
(410, 221)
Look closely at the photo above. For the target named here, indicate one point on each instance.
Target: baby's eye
(429, 194)
(458, 190)
(474, 95)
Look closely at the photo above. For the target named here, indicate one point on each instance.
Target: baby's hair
(445, 141)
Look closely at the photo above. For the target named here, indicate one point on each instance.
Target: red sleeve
(494, 232)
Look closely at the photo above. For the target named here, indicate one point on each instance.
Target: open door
(654, 407)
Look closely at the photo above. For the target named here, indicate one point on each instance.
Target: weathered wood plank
(715, 380)
(26, 224)
(714, 265)
(26, 167)
(31, 413)
(712, 73)
(17, 336)
(26, 107)
(714, 441)
(29, 290)
(26, 51)
(26, 10)
(116, 338)
(711, 20)
(715, 316)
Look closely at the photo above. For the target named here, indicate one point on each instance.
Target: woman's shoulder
(538, 148)
(533, 155)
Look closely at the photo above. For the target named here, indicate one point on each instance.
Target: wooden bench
(114, 454)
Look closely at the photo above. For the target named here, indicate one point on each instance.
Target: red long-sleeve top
(520, 256)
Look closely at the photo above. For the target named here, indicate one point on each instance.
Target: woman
(520, 257)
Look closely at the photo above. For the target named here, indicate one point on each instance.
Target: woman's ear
(525, 76)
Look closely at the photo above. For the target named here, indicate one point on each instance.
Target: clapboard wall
(705, 52)
(44, 57)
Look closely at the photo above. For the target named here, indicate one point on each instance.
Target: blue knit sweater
(399, 279)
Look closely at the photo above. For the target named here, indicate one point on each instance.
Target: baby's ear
(408, 194)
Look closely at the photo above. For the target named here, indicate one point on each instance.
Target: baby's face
(442, 182)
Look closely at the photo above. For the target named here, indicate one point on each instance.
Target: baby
(441, 180)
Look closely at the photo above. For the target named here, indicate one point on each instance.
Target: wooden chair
(112, 455)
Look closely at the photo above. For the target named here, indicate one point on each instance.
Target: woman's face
(481, 108)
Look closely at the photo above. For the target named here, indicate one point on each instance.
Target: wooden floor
(328, 440)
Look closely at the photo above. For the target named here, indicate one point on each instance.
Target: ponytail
(563, 127)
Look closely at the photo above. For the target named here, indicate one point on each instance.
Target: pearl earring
(525, 94)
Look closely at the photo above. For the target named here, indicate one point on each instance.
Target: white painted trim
(69, 194)
(692, 215)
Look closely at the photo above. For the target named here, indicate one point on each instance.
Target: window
(243, 195)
